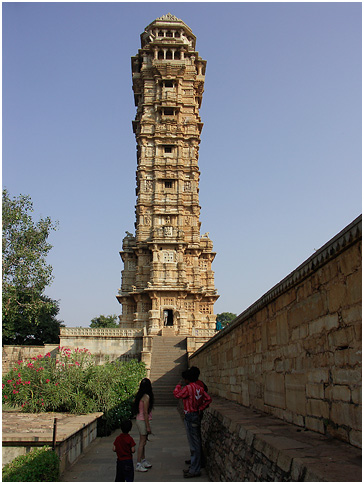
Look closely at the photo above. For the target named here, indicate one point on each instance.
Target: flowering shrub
(73, 383)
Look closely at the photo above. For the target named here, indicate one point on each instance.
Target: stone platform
(23, 431)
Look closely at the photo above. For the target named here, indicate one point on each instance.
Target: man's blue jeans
(193, 429)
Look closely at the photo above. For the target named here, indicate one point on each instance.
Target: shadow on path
(166, 450)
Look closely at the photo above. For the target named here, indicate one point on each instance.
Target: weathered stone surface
(274, 393)
(307, 367)
(244, 445)
(167, 278)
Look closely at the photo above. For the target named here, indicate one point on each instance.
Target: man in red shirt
(124, 446)
(195, 400)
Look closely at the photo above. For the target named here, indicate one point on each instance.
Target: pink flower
(48, 354)
(3, 385)
(9, 381)
(47, 380)
(42, 403)
(15, 391)
(77, 363)
(57, 384)
(5, 396)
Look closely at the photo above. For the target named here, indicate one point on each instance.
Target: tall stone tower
(167, 281)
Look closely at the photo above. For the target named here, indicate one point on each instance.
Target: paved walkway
(166, 450)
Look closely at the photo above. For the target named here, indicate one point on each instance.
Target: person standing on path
(195, 400)
(195, 372)
(124, 446)
(143, 405)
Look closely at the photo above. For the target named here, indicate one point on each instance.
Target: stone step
(162, 372)
(169, 359)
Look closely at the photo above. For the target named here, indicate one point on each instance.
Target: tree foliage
(104, 321)
(225, 318)
(28, 315)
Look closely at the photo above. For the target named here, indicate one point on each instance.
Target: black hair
(192, 375)
(185, 375)
(126, 426)
(195, 371)
(145, 388)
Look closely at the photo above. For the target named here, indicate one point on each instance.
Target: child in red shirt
(124, 446)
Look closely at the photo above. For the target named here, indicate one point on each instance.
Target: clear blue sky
(280, 156)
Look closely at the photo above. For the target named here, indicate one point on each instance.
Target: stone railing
(106, 332)
(203, 333)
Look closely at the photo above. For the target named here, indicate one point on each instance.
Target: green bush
(40, 465)
(73, 383)
(113, 386)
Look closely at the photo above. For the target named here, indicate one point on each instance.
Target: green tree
(225, 318)
(28, 315)
(104, 321)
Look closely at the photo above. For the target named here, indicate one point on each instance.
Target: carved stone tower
(167, 279)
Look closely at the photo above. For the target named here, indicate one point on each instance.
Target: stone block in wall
(348, 357)
(354, 291)
(282, 329)
(325, 323)
(343, 337)
(318, 408)
(352, 314)
(315, 424)
(274, 390)
(300, 332)
(350, 261)
(295, 387)
(346, 376)
(341, 393)
(304, 290)
(307, 310)
(244, 399)
(346, 414)
(336, 296)
(315, 390)
(356, 395)
(286, 299)
(325, 275)
(318, 375)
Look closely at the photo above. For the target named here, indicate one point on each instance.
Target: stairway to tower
(169, 359)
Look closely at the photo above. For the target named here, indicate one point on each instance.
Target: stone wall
(113, 343)
(246, 445)
(103, 343)
(296, 353)
(12, 354)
